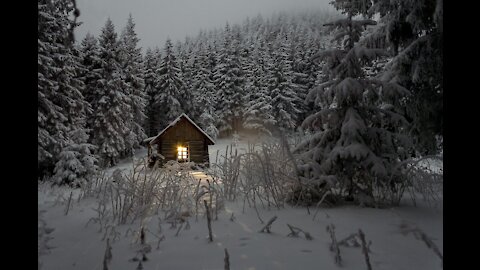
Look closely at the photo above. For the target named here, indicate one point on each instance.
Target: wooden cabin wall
(183, 133)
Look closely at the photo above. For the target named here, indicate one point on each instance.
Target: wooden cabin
(181, 140)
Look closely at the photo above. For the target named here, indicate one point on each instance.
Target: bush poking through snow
(125, 197)
(229, 172)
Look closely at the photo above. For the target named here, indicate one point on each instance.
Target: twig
(108, 255)
(420, 235)
(209, 220)
(68, 204)
(365, 249)
(334, 245)
(295, 231)
(179, 228)
(269, 224)
(345, 241)
(318, 204)
(227, 260)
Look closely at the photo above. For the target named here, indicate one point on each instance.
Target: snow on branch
(334, 54)
(342, 23)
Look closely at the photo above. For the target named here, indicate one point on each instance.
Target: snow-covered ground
(74, 245)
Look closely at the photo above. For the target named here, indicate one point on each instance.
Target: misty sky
(158, 19)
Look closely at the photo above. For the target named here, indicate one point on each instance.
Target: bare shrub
(124, 197)
(421, 176)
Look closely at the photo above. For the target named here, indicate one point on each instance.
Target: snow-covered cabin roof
(147, 140)
(173, 123)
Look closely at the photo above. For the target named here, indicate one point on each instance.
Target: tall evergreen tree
(133, 67)
(281, 88)
(228, 78)
(413, 30)
(185, 63)
(204, 92)
(151, 61)
(61, 105)
(168, 96)
(358, 140)
(90, 75)
(112, 120)
(258, 102)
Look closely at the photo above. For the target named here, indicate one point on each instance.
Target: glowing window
(182, 153)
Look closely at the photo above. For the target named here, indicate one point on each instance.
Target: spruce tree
(413, 31)
(280, 85)
(359, 129)
(113, 112)
(204, 92)
(90, 75)
(61, 106)
(168, 97)
(229, 81)
(258, 102)
(132, 65)
(151, 61)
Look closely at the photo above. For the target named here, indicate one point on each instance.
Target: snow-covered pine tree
(358, 138)
(185, 64)
(51, 119)
(229, 81)
(61, 105)
(279, 83)
(77, 162)
(90, 75)
(113, 112)
(305, 71)
(204, 91)
(258, 112)
(169, 84)
(414, 32)
(133, 67)
(151, 61)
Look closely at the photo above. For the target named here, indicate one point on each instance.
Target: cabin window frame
(185, 156)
